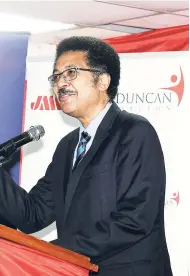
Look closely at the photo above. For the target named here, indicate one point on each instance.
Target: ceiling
(102, 19)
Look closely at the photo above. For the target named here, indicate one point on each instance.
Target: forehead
(70, 58)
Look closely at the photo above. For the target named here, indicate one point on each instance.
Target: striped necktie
(85, 138)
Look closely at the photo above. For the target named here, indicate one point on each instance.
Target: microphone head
(36, 132)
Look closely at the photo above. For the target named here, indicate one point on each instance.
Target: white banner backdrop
(154, 85)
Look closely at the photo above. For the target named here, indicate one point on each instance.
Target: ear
(104, 82)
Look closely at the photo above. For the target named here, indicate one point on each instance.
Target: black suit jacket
(111, 207)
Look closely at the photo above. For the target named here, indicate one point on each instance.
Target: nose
(62, 83)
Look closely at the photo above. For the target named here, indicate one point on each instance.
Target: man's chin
(68, 111)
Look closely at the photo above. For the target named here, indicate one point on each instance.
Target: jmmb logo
(45, 103)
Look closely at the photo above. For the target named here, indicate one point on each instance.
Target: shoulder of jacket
(67, 137)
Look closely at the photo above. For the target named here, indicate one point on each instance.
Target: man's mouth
(63, 95)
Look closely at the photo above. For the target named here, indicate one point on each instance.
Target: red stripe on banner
(160, 40)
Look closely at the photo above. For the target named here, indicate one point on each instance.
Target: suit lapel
(65, 162)
(101, 134)
(69, 159)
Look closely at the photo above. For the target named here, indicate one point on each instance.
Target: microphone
(33, 134)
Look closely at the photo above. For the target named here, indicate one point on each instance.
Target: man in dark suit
(5, 222)
(105, 186)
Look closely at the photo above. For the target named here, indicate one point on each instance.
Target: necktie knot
(84, 139)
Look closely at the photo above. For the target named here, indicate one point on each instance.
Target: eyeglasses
(70, 74)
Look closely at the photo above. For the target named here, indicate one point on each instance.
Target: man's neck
(87, 119)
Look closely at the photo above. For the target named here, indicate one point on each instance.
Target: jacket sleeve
(140, 189)
(29, 212)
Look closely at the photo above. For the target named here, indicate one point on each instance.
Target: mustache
(63, 91)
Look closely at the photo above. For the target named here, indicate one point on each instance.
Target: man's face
(82, 95)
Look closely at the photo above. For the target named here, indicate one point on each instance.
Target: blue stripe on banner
(13, 52)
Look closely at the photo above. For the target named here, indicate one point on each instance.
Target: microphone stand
(4, 161)
(7, 155)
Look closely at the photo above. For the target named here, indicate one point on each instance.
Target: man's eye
(71, 72)
(56, 78)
